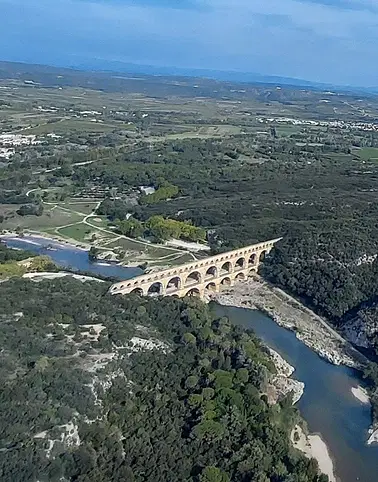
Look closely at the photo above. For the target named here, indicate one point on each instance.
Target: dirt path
(176, 253)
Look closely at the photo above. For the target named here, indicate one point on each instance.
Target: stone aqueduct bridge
(194, 279)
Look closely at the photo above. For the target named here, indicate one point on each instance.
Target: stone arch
(240, 277)
(212, 272)
(211, 287)
(252, 259)
(226, 282)
(241, 263)
(174, 283)
(137, 291)
(252, 272)
(262, 255)
(195, 292)
(156, 289)
(193, 278)
(226, 267)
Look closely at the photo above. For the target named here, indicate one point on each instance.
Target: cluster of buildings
(8, 142)
(363, 126)
(18, 140)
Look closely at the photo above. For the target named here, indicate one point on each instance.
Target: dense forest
(335, 272)
(255, 179)
(123, 388)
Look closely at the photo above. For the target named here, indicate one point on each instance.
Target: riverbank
(107, 257)
(282, 384)
(53, 238)
(70, 257)
(313, 446)
(328, 406)
(310, 328)
(361, 394)
(40, 276)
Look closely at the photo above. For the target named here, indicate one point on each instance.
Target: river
(327, 405)
(68, 256)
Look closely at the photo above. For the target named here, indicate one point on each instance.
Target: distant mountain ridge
(112, 68)
(232, 76)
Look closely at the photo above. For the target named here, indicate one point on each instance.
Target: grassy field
(80, 207)
(99, 221)
(80, 232)
(173, 261)
(366, 153)
(140, 248)
(66, 125)
(154, 255)
(288, 130)
(51, 218)
(59, 221)
(206, 132)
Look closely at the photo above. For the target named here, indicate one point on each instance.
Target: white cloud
(284, 37)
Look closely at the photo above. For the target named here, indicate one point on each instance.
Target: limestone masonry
(194, 279)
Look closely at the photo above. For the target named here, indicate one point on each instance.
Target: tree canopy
(124, 388)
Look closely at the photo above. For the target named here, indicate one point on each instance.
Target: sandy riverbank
(361, 394)
(313, 446)
(53, 238)
(373, 436)
(311, 329)
(60, 274)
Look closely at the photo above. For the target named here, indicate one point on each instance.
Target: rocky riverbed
(282, 384)
(311, 329)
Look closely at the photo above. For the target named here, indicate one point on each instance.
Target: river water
(68, 256)
(327, 405)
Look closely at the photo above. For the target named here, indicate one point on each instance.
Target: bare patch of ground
(313, 446)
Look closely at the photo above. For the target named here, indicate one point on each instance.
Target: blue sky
(321, 40)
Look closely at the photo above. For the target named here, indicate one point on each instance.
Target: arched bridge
(194, 279)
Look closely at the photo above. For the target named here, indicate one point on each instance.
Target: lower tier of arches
(199, 289)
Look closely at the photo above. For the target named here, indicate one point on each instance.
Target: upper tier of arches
(215, 268)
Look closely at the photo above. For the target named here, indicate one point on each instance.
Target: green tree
(131, 228)
(93, 253)
(213, 474)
